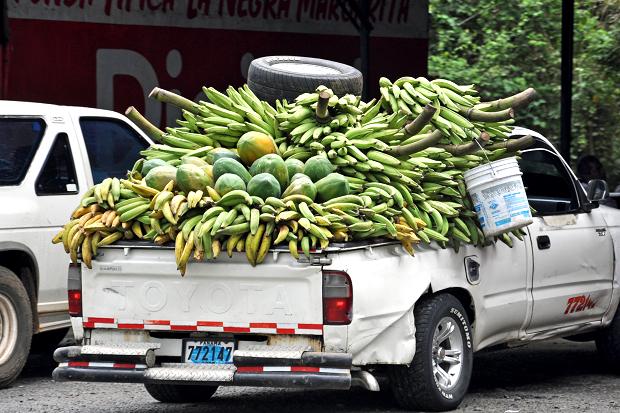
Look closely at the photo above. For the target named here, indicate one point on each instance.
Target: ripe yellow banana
(240, 245)
(76, 241)
(70, 229)
(87, 253)
(137, 229)
(187, 251)
(264, 248)
(216, 247)
(58, 237)
(94, 240)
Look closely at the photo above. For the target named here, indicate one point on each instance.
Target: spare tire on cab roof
(286, 77)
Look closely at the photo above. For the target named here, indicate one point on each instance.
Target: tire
(286, 77)
(16, 326)
(180, 393)
(608, 344)
(416, 387)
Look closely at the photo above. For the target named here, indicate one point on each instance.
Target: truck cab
(50, 156)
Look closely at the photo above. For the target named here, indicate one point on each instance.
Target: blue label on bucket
(503, 222)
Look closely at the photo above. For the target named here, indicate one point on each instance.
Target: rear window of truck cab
(19, 140)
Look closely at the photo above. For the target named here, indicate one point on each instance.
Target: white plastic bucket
(498, 194)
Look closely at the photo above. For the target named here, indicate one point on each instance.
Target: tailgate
(140, 288)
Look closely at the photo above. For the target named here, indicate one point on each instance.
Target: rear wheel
(180, 393)
(608, 343)
(439, 375)
(15, 326)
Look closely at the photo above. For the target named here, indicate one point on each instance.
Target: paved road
(545, 377)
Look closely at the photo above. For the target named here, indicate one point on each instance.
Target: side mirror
(597, 190)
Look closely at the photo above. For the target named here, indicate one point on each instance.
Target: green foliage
(506, 46)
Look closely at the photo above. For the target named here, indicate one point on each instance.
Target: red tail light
(337, 298)
(74, 288)
(75, 303)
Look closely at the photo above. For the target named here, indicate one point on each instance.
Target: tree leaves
(505, 47)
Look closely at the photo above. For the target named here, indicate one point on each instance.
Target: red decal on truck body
(579, 303)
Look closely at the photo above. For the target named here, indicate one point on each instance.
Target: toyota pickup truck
(49, 156)
(355, 314)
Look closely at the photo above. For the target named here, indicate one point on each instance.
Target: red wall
(55, 62)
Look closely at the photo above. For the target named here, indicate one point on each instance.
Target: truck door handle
(543, 241)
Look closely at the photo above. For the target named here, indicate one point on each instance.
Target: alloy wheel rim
(447, 354)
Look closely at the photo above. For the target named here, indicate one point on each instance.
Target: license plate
(208, 352)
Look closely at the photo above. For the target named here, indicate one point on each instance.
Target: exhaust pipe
(364, 379)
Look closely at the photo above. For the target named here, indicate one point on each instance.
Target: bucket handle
(486, 157)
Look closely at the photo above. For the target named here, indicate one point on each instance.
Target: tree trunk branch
(516, 101)
(420, 121)
(145, 126)
(165, 96)
(404, 150)
(513, 145)
(481, 116)
(322, 110)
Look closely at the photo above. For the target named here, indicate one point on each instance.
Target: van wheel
(608, 343)
(15, 326)
(439, 374)
(180, 393)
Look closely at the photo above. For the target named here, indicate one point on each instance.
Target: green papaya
(230, 166)
(274, 165)
(264, 185)
(332, 186)
(227, 183)
(159, 176)
(318, 167)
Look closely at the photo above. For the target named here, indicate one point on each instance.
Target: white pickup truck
(49, 156)
(364, 314)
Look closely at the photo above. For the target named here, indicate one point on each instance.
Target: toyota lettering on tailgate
(216, 297)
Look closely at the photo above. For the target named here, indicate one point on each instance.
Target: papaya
(217, 153)
(301, 185)
(318, 167)
(332, 186)
(294, 166)
(272, 164)
(253, 145)
(227, 183)
(209, 171)
(299, 175)
(194, 160)
(264, 185)
(229, 165)
(159, 176)
(150, 164)
(192, 178)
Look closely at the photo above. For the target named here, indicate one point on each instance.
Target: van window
(58, 174)
(112, 145)
(19, 140)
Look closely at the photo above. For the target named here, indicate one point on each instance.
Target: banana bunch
(85, 232)
(240, 222)
(459, 114)
(219, 122)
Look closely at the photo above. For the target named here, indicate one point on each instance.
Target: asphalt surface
(543, 377)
